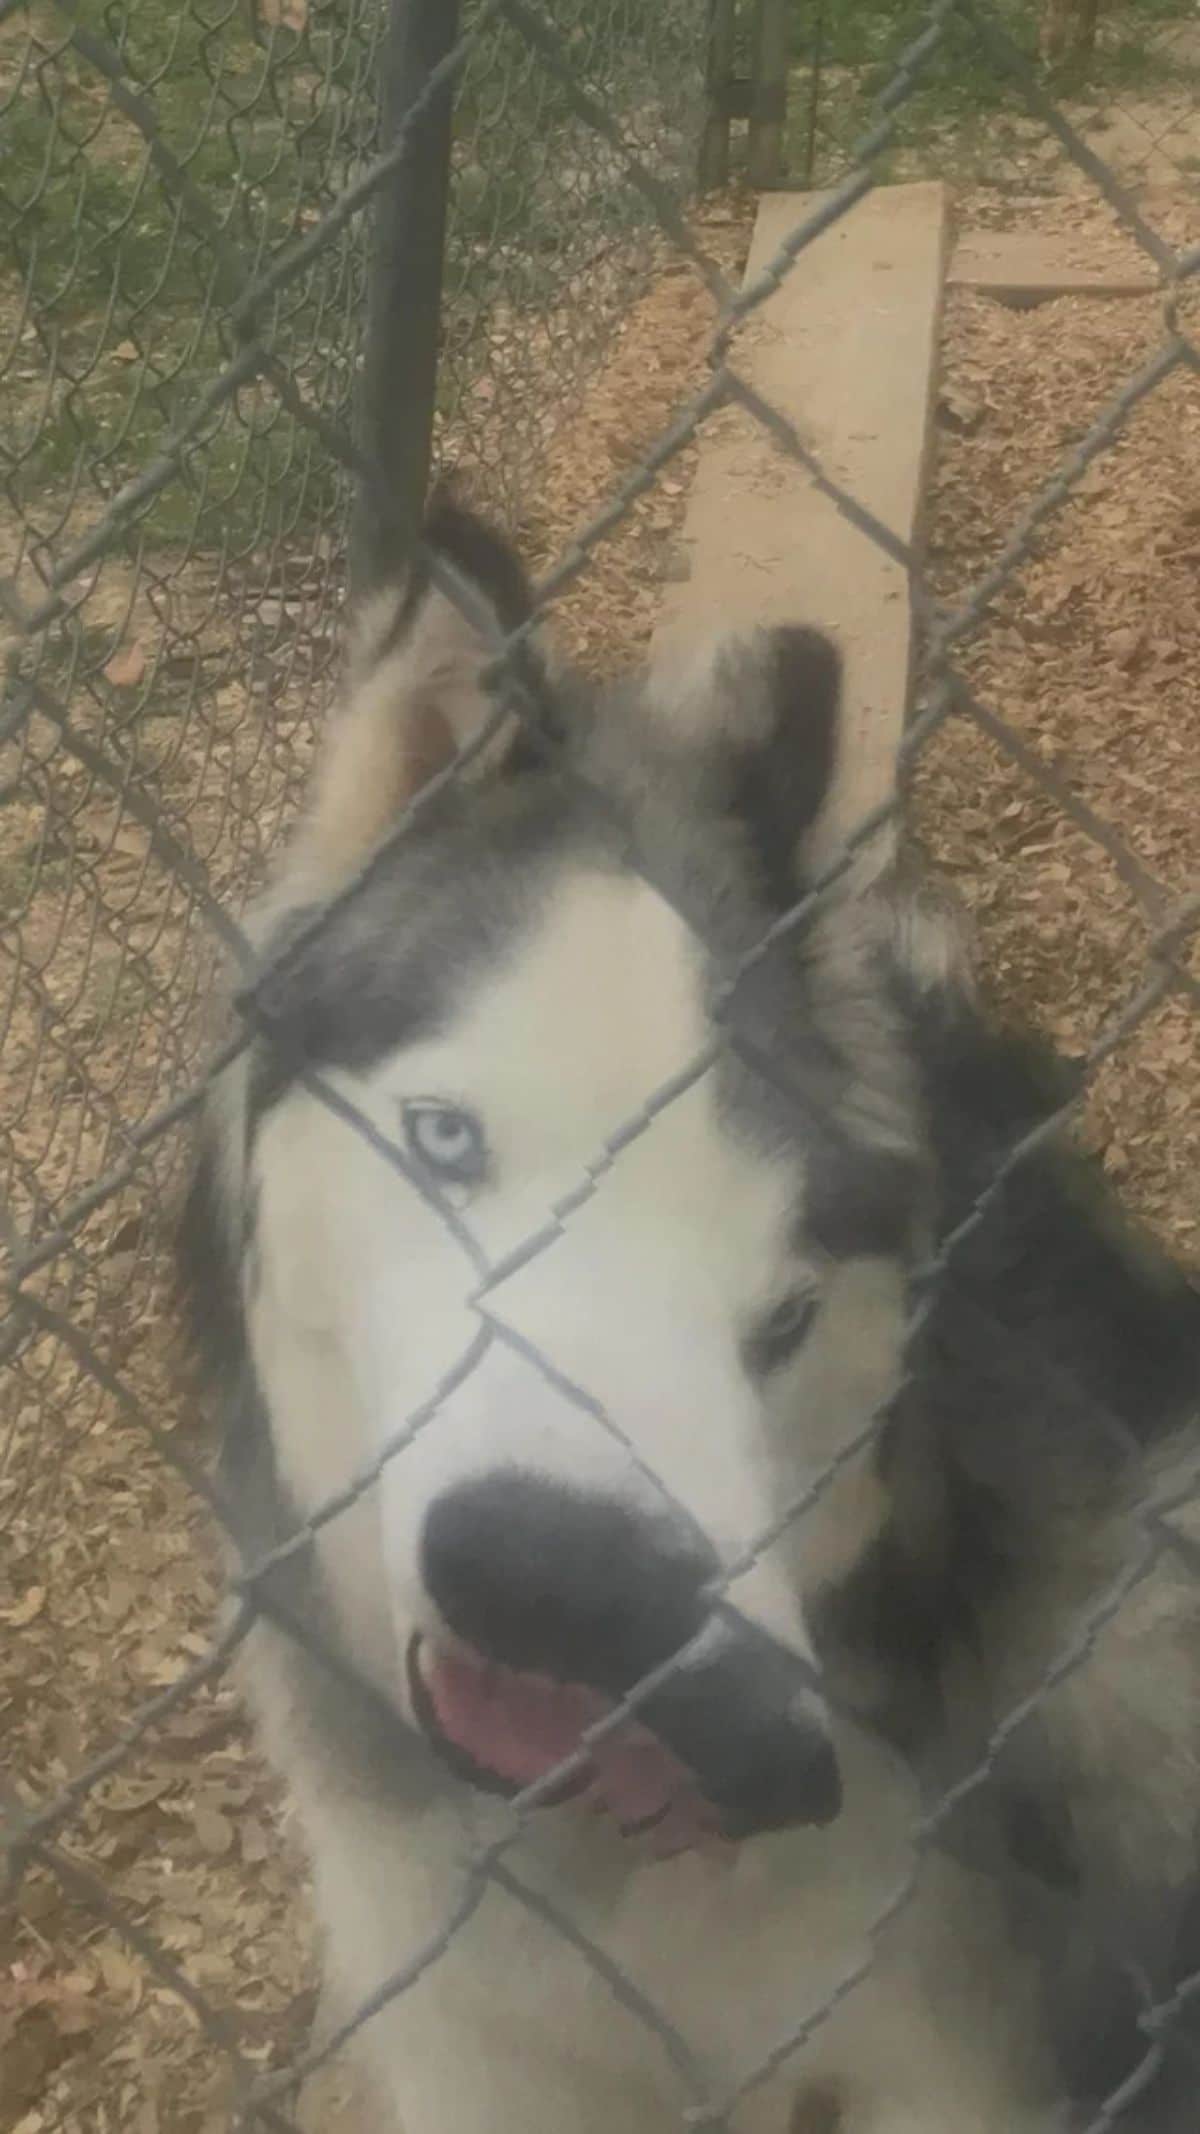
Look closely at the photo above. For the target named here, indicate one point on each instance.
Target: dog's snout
(546, 1579)
(588, 1590)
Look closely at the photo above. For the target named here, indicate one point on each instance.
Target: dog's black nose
(546, 1579)
(587, 1590)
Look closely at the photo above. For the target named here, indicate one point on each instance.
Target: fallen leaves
(127, 666)
(1088, 654)
(23, 1611)
(284, 14)
(45, 2016)
(214, 1831)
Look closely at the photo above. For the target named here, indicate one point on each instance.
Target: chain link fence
(1124, 76)
(187, 199)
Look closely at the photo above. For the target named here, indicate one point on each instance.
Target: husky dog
(565, 1307)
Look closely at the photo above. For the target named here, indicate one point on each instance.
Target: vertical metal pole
(398, 385)
(768, 111)
(816, 63)
(714, 148)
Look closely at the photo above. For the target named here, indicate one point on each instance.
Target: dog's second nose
(545, 1579)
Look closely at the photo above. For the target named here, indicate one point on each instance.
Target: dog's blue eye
(446, 1140)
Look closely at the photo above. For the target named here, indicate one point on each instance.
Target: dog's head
(597, 1295)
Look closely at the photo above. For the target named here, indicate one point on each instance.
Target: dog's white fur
(511, 2029)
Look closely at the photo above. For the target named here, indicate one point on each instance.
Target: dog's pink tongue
(519, 1727)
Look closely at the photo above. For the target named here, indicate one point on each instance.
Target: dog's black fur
(1061, 1351)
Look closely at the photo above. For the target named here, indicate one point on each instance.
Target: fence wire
(186, 201)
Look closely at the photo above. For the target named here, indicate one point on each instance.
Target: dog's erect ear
(780, 779)
(763, 709)
(415, 693)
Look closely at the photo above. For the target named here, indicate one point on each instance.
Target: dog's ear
(779, 778)
(415, 693)
(761, 711)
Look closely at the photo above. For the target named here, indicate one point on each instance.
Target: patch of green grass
(125, 287)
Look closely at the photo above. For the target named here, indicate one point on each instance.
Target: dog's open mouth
(503, 1730)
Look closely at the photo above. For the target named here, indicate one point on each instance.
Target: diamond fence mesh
(187, 200)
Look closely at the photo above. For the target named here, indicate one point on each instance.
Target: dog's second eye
(447, 1141)
(776, 1338)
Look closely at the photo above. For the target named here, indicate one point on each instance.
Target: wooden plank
(1027, 267)
(846, 349)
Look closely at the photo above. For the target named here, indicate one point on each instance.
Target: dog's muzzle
(558, 1607)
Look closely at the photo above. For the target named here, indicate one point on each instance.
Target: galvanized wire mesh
(189, 279)
(548, 243)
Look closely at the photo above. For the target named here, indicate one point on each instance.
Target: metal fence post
(398, 386)
(815, 63)
(719, 72)
(765, 161)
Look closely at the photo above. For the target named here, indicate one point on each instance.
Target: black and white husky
(565, 1306)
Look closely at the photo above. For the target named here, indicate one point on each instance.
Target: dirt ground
(107, 1585)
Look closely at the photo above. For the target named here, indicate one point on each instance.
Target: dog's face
(596, 1297)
